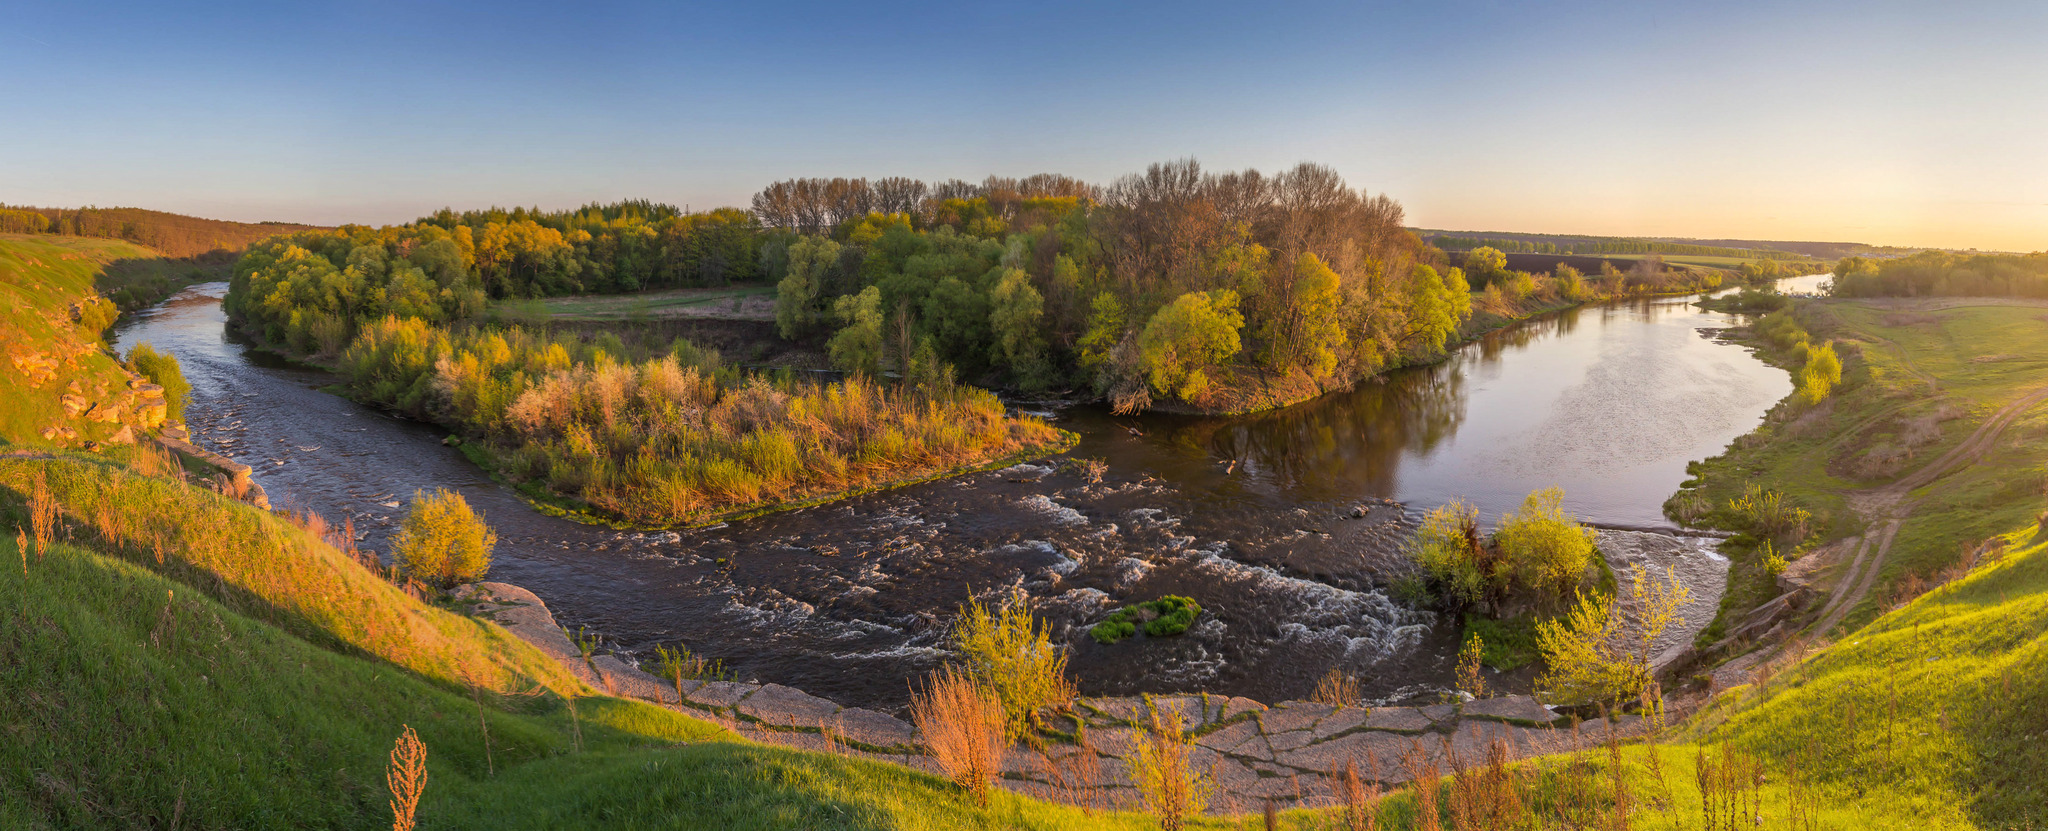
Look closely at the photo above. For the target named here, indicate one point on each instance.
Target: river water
(1258, 518)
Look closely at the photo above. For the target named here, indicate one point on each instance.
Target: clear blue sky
(1905, 123)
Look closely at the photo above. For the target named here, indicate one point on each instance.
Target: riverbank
(1250, 391)
(659, 436)
(1926, 450)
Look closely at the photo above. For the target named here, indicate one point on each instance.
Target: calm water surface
(850, 600)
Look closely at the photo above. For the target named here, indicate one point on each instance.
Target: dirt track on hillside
(1884, 509)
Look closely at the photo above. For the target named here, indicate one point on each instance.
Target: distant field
(730, 303)
(1685, 259)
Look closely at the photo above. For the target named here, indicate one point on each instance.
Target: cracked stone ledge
(1286, 754)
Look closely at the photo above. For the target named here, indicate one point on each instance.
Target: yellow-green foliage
(1936, 708)
(1595, 655)
(660, 440)
(162, 369)
(1544, 547)
(443, 542)
(1187, 339)
(1009, 653)
(279, 573)
(51, 317)
(1448, 549)
(1537, 548)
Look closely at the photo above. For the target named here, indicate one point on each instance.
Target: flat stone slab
(1398, 720)
(1514, 709)
(1117, 711)
(1439, 712)
(1339, 722)
(1237, 739)
(1190, 708)
(523, 614)
(873, 729)
(1293, 715)
(1372, 752)
(788, 707)
(719, 695)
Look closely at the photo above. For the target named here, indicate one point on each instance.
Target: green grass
(236, 687)
(1900, 368)
(1935, 710)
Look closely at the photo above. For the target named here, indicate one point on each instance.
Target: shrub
(1167, 616)
(443, 542)
(1593, 655)
(1166, 778)
(1010, 654)
(1448, 549)
(963, 724)
(162, 370)
(1545, 547)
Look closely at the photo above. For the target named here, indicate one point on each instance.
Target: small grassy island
(1169, 615)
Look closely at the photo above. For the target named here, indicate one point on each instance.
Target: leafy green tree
(1187, 338)
(1105, 329)
(1015, 313)
(161, 368)
(1304, 330)
(797, 311)
(443, 542)
(1437, 305)
(857, 347)
(1485, 265)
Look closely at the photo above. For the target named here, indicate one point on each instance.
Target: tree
(443, 543)
(1015, 310)
(797, 296)
(1437, 305)
(857, 348)
(1186, 339)
(1304, 330)
(1484, 265)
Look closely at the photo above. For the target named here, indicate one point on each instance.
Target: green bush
(1544, 547)
(162, 370)
(1011, 654)
(1538, 547)
(1169, 615)
(443, 541)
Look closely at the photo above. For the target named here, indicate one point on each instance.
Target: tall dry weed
(965, 729)
(1359, 798)
(407, 778)
(42, 509)
(1335, 689)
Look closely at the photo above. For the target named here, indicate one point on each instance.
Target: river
(1255, 517)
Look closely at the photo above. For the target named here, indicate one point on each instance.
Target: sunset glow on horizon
(1888, 124)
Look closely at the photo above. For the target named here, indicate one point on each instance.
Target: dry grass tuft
(964, 727)
(407, 777)
(1335, 689)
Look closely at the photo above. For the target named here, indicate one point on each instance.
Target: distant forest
(1943, 273)
(174, 235)
(1593, 246)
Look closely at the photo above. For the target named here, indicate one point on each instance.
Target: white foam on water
(1054, 512)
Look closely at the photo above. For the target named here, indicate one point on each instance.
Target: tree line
(1605, 245)
(1930, 273)
(174, 235)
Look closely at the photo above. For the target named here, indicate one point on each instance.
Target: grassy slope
(40, 279)
(257, 677)
(1900, 367)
